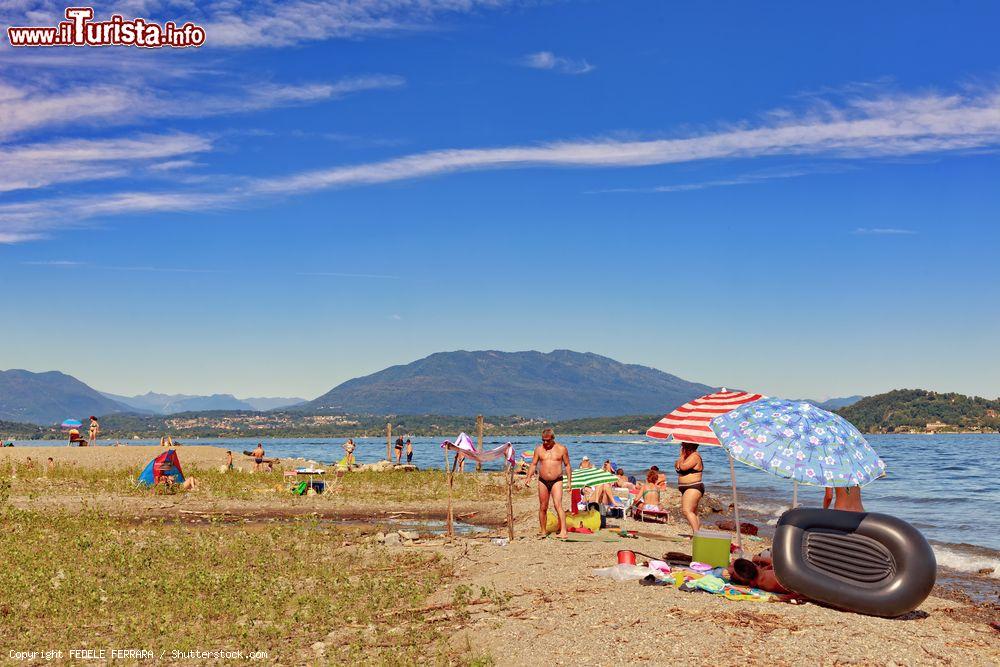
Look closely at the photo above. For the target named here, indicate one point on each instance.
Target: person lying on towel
(757, 573)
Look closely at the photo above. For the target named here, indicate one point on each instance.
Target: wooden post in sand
(510, 501)
(479, 440)
(388, 442)
(451, 481)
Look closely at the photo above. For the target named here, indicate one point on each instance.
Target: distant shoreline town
(289, 424)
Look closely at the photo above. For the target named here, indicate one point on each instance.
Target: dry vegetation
(300, 589)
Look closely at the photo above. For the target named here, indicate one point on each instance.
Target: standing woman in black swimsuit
(689, 467)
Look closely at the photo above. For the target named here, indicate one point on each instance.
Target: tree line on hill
(902, 410)
(914, 409)
(242, 424)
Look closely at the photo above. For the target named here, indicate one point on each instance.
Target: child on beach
(409, 451)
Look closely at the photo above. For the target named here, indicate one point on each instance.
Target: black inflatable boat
(858, 561)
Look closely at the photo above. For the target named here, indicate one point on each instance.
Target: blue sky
(799, 200)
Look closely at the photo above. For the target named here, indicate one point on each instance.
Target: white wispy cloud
(173, 165)
(742, 179)
(91, 266)
(34, 220)
(36, 165)
(861, 128)
(31, 106)
(883, 231)
(550, 61)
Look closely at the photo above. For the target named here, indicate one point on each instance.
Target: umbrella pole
(795, 494)
(736, 506)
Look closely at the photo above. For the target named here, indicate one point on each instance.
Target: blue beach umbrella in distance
(799, 441)
(71, 423)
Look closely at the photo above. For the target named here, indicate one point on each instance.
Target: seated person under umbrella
(602, 493)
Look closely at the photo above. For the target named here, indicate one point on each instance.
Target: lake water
(945, 485)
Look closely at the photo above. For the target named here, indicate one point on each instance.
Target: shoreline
(417, 433)
(959, 563)
(514, 597)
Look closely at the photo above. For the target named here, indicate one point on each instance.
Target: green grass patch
(392, 486)
(87, 580)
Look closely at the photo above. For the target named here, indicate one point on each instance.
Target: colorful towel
(692, 581)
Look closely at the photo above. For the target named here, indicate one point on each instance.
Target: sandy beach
(130, 456)
(552, 608)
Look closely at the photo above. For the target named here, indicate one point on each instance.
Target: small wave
(764, 508)
(612, 442)
(971, 560)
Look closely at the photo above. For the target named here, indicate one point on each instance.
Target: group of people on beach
(551, 458)
(78, 440)
(400, 446)
(551, 461)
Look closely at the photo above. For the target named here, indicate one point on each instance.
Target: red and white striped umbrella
(689, 423)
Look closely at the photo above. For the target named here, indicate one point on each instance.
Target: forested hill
(557, 385)
(917, 410)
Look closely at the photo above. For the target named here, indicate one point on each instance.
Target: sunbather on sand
(603, 493)
(550, 457)
(623, 482)
(757, 573)
(649, 493)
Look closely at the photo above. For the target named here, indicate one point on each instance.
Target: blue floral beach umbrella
(798, 441)
(71, 423)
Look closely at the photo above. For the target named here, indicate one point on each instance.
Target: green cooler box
(712, 547)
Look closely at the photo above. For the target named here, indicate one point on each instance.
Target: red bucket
(626, 557)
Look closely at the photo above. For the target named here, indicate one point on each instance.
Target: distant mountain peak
(562, 384)
(166, 404)
(49, 397)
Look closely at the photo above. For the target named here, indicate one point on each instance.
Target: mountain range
(48, 398)
(558, 385)
(168, 404)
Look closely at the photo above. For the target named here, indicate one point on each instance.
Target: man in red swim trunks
(550, 457)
